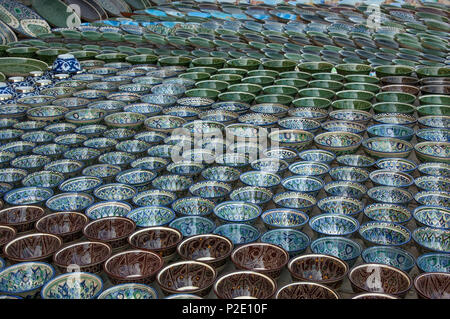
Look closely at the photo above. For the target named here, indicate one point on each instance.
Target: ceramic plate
(21, 66)
(56, 13)
(89, 10)
(6, 34)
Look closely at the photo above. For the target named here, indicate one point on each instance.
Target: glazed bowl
(284, 218)
(381, 147)
(149, 216)
(432, 216)
(390, 195)
(212, 190)
(432, 285)
(433, 152)
(433, 135)
(193, 206)
(196, 278)
(391, 130)
(247, 281)
(340, 205)
(67, 225)
(434, 169)
(172, 183)
(396, 164)
(391, 256)
(311, 169)
(306, 290)
(433, 198)
(344, 126)
(129, 291)
(322, 269)
(296, 139)
(338, 142)
(385, 212)
(384, 233)
(32, 247)
(112, 231)
(295, 200)
(433, 262)
(431, 239)
(21, 218)
(69, 202)
(333, 225)
(211, 249)
(292, 241)
(27, 196)
(317, 156)
(239, 234)
(237, 212)
(252, 194)
(193, 225)
(37, 274)
(7, 233)
(153, 197)
(84, 286)
(80, 184)
(340, 247)
(304, 184)
(345, 189)
(115, 192)
(87, 255)
(260, 179)
(349, 174)
(391, 178)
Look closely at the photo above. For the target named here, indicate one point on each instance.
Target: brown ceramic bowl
(192, 277)
(245, 285)
(306, 290)
(32, 247)
(110, 230)
(160, 240)
(67, 225)
(265, 258)
(321, 269)
(435, 81)
(88, 255)
(401, 88)
(408, 80)
(380, 278)
(436, 89)
(22, 218)
(138, 266)
(433, 285)
(7, 234)
(213, 250)
(374, 295)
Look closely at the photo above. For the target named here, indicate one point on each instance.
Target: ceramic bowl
(85, 116)
(237, 212)
(431, 239)
(433, 262)
(273, 165)
(432, 285)
(390, 195)
(380, 147)
(384, 233)
(322, 269)
(351, 115)
(239, 234)
(432, 183)
(27, 196)
(306, 290)
(32, 247)
(432, 216)
(317, 156)
(349, 174)
(115, 192)
(37, 274)
(7, 234)
(67, 225)
(340, 247)
(193, 225)
(433, 135)
(154, 197)
(21, 218)
(434, 169)
(391, 256)
(345, 189)
(137, 266)
(197, 278)
(213, 250)
(291, 240)
(433, 198)
(88, 256)
(395, 118)
(172, 183)
(252, 194)
(396, 164)
(312, 169)
(80, 184)
(433, 152)
(359, 275)
(340, 205)
(193, 206)
(295, 200)
(344, 126)
(148, 216)
(385, 212)
(391, 178)
(338, 142)
(112, 230)
(305, 184)
(74, 285)
(391, 130)
(264, 258)
(296, 139)
(129, 291)
(69, 202)
(212, 190)
(334, 224)
(224, 288)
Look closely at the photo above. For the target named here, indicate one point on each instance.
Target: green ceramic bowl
(142, 59)
(174, 61)
(22, 52)
(91, 35)
(362, 79)
(297, 83)
(205, 69)
(393, 70)
(279, 65)
(355, 94)
(209, 62)
(425, 110)
(434, 99)
(244, 63)
(328, 76)
(238, 71)
(230, 78)
(373, 88)
(352, 104)
(50, 55)
(208, 93)
(316, 92)
(196, 76)
(271, 73)
(281, 89)
(111, 57)
(351, 68)
(395, 97)
(274, 98)
(393, 107)
(71, 34)
(326, 84)
(237, 97)
(245, 87)
(84, 55)
(212, 84)
(315, 67)
(425, 72)
(260, 80)
(316, 102)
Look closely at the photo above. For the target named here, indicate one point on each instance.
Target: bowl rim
(88, 242)
(323, 281)
(39, 258)
(195, 237)
(245, 272)
(306, 283)
(265, 270)
(30, 263)
(180, 263)
(73, 274)
(374, 294)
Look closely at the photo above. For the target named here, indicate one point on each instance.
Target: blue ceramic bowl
(103, 171)
(381, 147)
(391, 178)
(237, 212)
(252, 194)
(284, 218)
(46, 179)
(260, 179)
(434, 169)
(434, 262)
(282, 153)
(433, 135)
(391, 213)
(390, 195)
(212, 190)
(146, 109)
(12, 175)
(155, 164)
(80, 184)
(338, 142)
(396, 164)
(355, 160)
(273, 165)
(129, 291)
(193, 225)
(121, 159)
(293, 241)
(333, 225)
(340, 247)
(108, 209)
(69, 202)
(433, 198)
(296, 139)
(340, 205)
(74, 285)
(316, 169)
(432, 239)
(193, 206)
(186, 168)
(304, 184)
(321, 156)
(133, 146)
(383, 233)
(154, 197)
(344, 126)
(232, 160)
(172, 183)
(433, 183)
(349, 174)
(298, 123)
(392, 256)
(31, 163)
(83, 154)
(25, 279)
(27, 196)
(85, 116)
(136, 177)
(239, 234)
(295, 200)
(260, 119)
(115, 192)
(150, 137)
(149, 216)
(164, 123)
(391, 130)
(345, 189)
(432, 216)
